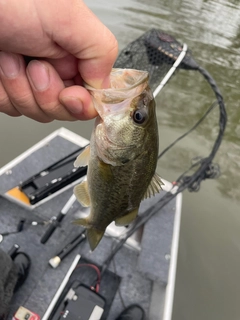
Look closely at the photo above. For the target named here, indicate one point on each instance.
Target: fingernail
(9, 64)
(38, 75)
(73, 104)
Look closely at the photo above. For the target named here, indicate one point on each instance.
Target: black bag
(8, 279)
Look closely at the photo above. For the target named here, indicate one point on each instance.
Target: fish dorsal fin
(127, 218)
(154, 187)
(82, 194)
(94, 237)
(83, 158)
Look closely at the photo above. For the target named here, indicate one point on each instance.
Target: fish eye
(140, 116)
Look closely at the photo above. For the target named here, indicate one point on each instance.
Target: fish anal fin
(82, 194)
(83, 159)
(94, 236)
(154, 187)
(84, 222)
(127, 218)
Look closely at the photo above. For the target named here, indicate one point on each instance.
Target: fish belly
(115, 191)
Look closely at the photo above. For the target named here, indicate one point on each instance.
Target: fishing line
(214, 104)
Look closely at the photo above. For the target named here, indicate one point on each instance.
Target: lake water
(208, 281)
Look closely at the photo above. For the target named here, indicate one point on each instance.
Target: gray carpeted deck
(136, 270)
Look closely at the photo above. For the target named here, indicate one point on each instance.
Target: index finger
(89, 40)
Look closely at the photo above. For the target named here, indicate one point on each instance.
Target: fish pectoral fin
(94, 237)
(83, 159)
(154, 187)
(127, 218)
(82, 194)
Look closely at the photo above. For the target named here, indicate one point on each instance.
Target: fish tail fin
(94, 237)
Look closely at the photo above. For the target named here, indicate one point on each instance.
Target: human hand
(70, 46)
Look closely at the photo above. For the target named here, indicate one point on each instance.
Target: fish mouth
(125, 79)
(125, 85)
(122, 80)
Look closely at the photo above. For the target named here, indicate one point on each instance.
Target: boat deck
(139, 271)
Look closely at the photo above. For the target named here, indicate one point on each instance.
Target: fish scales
(124, 191)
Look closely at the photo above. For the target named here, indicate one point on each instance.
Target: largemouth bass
(122, 155)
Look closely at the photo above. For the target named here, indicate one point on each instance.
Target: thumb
(89, 40)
